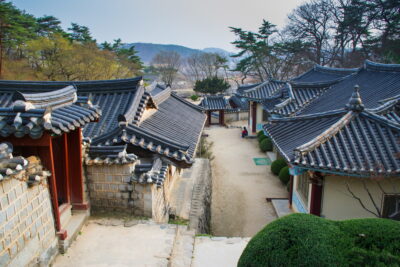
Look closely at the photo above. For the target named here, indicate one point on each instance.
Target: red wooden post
(291, 190)
(316, 199)
(208, 118)
(254, 116)
(75, 170)
(222, 117)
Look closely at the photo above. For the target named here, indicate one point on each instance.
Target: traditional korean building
(282, 99)
(220, 109)
(344, 162)
(41, 171)
(137, 147)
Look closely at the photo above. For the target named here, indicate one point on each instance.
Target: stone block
(126, 179)
(10, 212)
(122, 187)
(114, 187)
(125, 195)
(13, 249)
(4, 202)
(3, 217)
(21, 243)
(11, 196)
(4, 258)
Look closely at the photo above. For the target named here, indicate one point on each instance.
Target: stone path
(218, 251)
(110, 243)
(240, 188)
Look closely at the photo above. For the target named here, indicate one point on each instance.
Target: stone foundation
(27, 233)
(200, 211)
(111, 189)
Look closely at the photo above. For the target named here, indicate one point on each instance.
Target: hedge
(260, 133)
(262, 137)
(297, 240)
(307, 240)
(277, 165)
(284, 175)
(266, 145)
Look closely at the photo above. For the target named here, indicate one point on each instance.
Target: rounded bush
(297, 240)
(194, 97)
(262, 137)
(266, 145)
(277, 165)
(376, 241)
(260, 133)
(284, 175)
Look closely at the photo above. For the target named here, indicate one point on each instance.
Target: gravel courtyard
(240, 187)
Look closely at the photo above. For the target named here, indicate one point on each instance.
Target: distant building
(221, 109)
(277, 98)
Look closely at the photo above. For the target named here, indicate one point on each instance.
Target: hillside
(147, 51)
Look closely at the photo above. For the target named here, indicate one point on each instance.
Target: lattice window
(303, 186)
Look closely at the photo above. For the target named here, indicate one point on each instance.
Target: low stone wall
(111, 189)
(27, 233)
(200, 212)
(236, 116)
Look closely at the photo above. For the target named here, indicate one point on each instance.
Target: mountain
(146, 51)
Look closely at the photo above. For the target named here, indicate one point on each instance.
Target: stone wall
(111, 189)
(200, 211)
(27, 233)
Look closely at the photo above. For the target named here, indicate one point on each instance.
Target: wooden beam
(75, 171)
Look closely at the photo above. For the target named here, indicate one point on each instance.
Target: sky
(192, 23)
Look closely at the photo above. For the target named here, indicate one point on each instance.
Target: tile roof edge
(375, 66)
(325, 114)
(282, 152)
(325, 135)
(196, 107)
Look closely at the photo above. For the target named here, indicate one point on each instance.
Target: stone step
(182, 252)
(73, 228)
(65, 215)
(218, 251)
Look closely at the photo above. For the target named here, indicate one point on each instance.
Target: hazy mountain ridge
(146, 51)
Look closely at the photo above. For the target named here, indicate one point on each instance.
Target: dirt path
(240, 187)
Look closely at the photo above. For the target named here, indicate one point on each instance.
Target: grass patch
(178, 221)
(204, 149)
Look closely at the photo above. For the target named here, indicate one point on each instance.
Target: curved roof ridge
(318, 67)
(177, 97)
(310, 116)
(318, 83)
(375, 66)
(381, 119)
(327, 134)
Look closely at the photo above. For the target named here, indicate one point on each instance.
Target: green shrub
(266, 144)
(284, 175)
(376, 241)
(194, 97)
(260, 133)
(307, 240)
(297, 240)
(277, 165)
(262, 137)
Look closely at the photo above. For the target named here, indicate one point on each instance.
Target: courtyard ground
(240, 187)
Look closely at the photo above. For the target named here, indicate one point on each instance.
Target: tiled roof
(175, 124)
(261, 91)
(303, 95)
(377, 82)
(173, 131)
(214, 103)
(151, 172)
(238, 103)
(160, 93)
(390, 110)
(99, 155)
(319, 73)
(349, 141)
(57, 111)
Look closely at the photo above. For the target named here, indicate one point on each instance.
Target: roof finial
(355, 102)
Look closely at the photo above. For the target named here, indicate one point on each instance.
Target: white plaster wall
(338, 204)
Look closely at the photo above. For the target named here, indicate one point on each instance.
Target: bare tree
(167, 64)
(312, 22)
(205, 65)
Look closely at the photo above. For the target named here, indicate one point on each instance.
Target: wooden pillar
(254, 117)
(291, 184)
(208, 117)
(75, 173)
(316, 199)
(222, 117)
